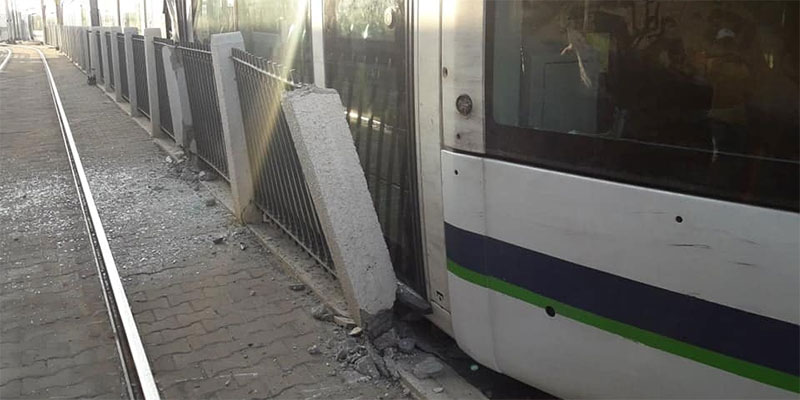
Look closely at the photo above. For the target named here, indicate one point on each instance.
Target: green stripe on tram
(733, 365)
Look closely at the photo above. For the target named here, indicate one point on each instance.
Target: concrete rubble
(362, 358)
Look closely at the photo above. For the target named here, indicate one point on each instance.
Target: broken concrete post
(107, 68)
(337, 185)
(178, 95)
(129, 69)
(94, 57)
(230, 110)
(115, 62)
(152, 81)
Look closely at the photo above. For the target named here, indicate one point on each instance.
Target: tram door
(367, 62)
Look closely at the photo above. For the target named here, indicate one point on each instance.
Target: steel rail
(8, 57)
(105, 259)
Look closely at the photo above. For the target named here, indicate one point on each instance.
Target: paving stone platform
(55, 338)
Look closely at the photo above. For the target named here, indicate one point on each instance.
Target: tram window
(693, 96)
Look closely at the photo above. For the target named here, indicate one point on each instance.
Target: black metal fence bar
(140, 73)
(107, 41)
(204, 104)
(98, 39)
(163, 98)
(280, 186)
(123, 66)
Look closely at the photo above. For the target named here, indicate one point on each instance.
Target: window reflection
(279, 30)
(212, 16)
(708, 75)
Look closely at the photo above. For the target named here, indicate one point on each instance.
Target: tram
(619, 192)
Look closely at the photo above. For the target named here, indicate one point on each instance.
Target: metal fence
(72, 40)
(51, 35)
(140, 75)
(123, 66)
(98, 39)
(107, 42)
(280, 187)
(163, 97)
(203, 101)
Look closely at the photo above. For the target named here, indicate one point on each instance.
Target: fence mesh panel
(107, 41)
(87, 61)
(163, 97)
(123, 66)
(98, 39)
(140, 73)
(73, 41)
(280, 187)
(204, 104)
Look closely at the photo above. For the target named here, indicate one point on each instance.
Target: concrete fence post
(241, 177)
(178, 94)
(152, 80)
(129, 69)
(337, 185)
(107, 68)
(115, 63)
(94, 57)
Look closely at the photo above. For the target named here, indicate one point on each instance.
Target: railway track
(135, 366)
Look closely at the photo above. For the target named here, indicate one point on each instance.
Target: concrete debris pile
(189, 171)
(358, 359)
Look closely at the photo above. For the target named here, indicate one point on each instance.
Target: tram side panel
(589, 288)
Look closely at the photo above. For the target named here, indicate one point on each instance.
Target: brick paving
(217, 320)
(55, 338)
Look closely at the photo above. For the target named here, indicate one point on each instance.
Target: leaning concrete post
(129, 32)
(115, 63)
(178, 95)
(152, 80)
(337, 185)
(94, 57)
(104, 60)
(232, 126)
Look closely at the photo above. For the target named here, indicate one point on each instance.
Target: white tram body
(586, 284)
